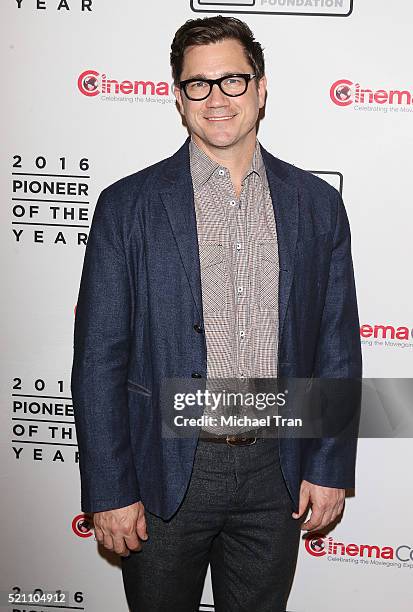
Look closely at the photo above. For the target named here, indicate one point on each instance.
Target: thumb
(304, 499)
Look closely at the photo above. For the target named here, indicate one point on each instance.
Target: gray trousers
(236, 515)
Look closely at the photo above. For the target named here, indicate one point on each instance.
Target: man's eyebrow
(204, 76)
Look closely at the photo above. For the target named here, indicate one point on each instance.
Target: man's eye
(233, 81)
(197, 85)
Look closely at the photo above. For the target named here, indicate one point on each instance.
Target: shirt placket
(243, 287)
(236, 215)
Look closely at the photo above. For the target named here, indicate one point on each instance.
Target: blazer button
(198, 328)
(196, 375)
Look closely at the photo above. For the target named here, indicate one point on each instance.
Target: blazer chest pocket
(268, 275)
(213, 277)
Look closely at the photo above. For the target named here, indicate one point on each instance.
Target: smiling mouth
(225, 118)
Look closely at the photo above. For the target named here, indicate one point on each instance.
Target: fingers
(98, 534)
(133, 542)
(326, 505)
(303, 504)
(124, 544)
(105, 538)
(122, 530)
(119, 543)
(322, 516)
(317, 519)
(141, 527)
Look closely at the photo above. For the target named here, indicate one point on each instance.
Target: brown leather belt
(231, 440)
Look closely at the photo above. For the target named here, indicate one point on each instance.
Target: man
(221, 261)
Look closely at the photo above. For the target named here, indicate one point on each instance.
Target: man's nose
(216, 98)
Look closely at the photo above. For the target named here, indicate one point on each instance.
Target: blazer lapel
(285, 203)
(177, 196)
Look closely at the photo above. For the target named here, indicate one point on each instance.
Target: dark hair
(207, 30)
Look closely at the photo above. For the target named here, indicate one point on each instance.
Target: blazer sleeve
(99, 371)
(331, 460)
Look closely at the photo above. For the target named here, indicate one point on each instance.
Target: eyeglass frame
(211, 82)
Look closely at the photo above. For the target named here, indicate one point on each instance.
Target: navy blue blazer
(139, 299)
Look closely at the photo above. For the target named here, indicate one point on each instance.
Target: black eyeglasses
(232, 85)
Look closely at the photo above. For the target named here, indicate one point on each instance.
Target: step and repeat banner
(88, 99)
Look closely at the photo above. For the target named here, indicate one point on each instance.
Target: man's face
(219, 120)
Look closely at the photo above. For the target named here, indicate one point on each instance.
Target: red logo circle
(316, 545)
(341, 92)
(82, 526)
(88, 83)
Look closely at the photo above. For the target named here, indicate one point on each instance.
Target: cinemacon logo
(320, 546)
(82, 526)
(92, 83)
(386, 332)
(345, 93)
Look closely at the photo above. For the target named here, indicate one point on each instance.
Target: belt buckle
(230, 443)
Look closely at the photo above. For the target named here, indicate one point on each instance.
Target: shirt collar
(203, 167)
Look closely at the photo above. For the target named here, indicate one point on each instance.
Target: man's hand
(326, 505)
(121, 529)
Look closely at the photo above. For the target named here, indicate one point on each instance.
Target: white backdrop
(53, 55)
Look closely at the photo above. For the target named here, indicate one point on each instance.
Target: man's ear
(178, 96)
(262, 88)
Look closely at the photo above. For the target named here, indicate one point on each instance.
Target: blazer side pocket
(136, 388)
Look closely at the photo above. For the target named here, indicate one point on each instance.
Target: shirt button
(240, 289)
(232, 202)
(238, 246)
(242, 334)
(221, 172)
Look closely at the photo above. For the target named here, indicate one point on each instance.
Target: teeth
(217, 118)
